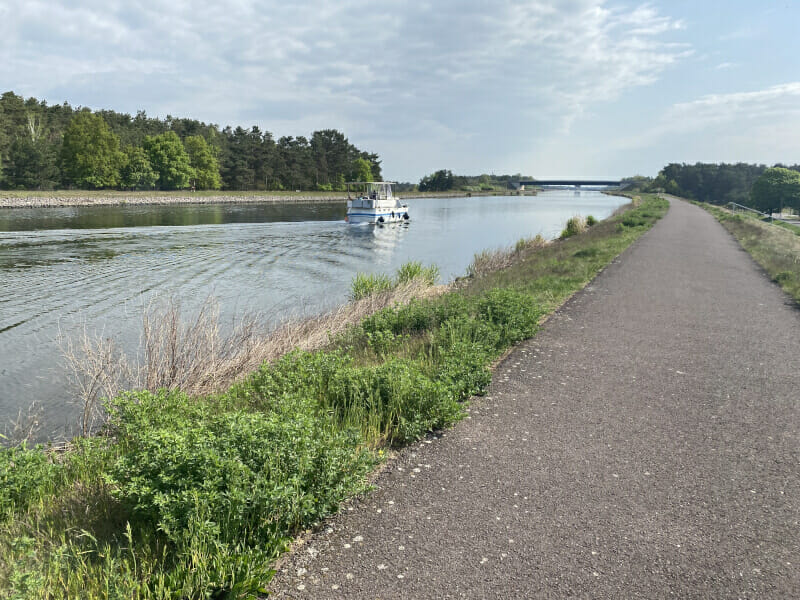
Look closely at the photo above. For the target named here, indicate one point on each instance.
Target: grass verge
(774, 246)
(193, 496)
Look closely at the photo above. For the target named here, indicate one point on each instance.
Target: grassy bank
(194, 496)
(774, 246)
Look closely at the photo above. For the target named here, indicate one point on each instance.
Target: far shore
(52, 199)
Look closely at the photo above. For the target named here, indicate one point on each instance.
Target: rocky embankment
(118, 199)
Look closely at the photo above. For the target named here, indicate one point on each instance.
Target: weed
(575, 225)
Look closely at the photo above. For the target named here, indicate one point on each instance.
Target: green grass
(368, 284)
(194, 497)
(775, 246)
(788, 226)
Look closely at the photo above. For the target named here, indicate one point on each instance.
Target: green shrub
(26, 475)
(591, 221)
(513, 312)
(383, 342)
(257, 477)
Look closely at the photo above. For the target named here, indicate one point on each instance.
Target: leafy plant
(26, 475)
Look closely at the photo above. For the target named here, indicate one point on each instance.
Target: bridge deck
(572, 182)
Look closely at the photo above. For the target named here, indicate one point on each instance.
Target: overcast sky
(560, 88)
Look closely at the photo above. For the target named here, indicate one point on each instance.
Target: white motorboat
(374, 203)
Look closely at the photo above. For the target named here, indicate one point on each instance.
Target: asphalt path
(645, 444)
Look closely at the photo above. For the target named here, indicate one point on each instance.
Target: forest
(45, 147)
(712, 182)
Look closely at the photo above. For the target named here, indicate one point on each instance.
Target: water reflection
(110, 217)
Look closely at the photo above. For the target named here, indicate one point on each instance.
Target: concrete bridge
(570, 182)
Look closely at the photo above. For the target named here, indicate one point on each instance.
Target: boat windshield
(375, 190)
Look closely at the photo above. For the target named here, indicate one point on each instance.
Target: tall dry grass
(191, 351)
(24, 428)
(488, 261)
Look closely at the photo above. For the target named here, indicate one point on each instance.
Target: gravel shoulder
(645, 444)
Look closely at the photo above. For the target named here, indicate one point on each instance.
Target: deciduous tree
(90, 154)
(137, 173)
(169, 160)
(204, 163)
(776, 189)
(362, 170)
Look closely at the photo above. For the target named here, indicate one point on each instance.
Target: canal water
(63, 270)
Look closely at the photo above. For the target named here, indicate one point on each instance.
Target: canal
(66, 270)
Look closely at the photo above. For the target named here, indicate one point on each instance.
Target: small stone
(381, 567)
(358, 538)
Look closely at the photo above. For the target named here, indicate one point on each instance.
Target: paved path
(644, 445)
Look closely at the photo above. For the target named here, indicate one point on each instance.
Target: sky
(570, 88)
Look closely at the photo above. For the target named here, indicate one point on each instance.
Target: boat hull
(376, 211)
(356, 216)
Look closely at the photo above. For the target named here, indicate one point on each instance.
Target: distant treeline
(708, 182)
(444, 181)
(52, 147)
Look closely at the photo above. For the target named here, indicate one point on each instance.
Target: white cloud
(779, 101)
(495, 74)
(760, 126)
